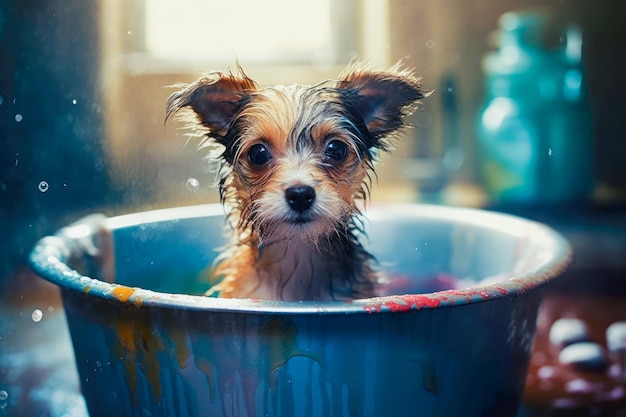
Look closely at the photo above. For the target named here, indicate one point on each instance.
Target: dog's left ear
(382, 98)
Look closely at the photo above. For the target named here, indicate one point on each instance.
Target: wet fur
(276, 252)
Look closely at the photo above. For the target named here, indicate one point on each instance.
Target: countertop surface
(38, 376)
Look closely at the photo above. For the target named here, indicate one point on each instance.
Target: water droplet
(192, 184)
(450, 90)
(130, 33)
(19, 117)
(37, 315)
(43, 186)
(430, 43)
(74, 101)
(1, 100)
(4, 396)
(111, 396)
(549, 151)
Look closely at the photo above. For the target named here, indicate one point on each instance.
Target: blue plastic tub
(454, 340)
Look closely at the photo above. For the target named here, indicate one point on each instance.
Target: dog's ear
(382, 98)
(215, 99)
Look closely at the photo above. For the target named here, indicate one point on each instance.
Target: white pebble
(578, 386)
(584, 355)
(616, 336)
(547, 372)
(566, 331)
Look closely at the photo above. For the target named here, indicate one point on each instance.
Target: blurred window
(151, 44)
(273, 31)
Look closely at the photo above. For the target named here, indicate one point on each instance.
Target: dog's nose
(300, 197)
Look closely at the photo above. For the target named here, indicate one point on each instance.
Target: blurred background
(527, 115)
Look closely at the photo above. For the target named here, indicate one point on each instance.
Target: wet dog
(295, 164)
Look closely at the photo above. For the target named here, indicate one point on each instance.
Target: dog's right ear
(216, 99)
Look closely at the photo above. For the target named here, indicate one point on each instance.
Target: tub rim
(49, 256)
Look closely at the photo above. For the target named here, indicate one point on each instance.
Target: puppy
(295, 161)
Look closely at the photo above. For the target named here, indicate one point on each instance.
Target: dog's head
(298, 156)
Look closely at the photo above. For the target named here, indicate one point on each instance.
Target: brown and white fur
(294, 163)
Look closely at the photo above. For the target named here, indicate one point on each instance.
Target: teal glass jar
(534, 132)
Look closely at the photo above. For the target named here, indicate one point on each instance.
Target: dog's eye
(336, 151)
(259, 154)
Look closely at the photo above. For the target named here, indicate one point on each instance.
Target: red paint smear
(371, 309)
(483, 294)
(403, 304)
(397, 307)
(502, 290)
(421, 301)
(408, 302)
(460, 293)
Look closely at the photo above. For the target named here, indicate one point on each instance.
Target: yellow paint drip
(138, 346)
(219, 354)
(282, 344)
(122, 293)
(180, 350)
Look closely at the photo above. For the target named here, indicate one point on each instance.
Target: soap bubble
(37, 315)
(43, 186)
(193, 184)
(4, 396)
